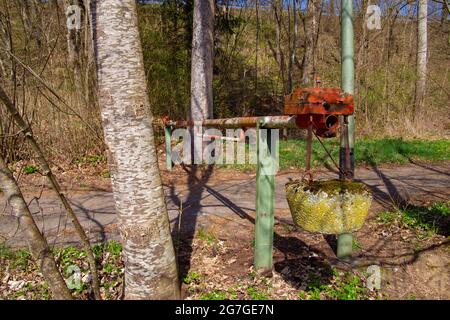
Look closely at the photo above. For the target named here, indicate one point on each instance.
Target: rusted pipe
(271, 122)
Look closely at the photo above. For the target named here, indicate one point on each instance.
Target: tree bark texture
(422, 48)
(202, 60)
(150, 264)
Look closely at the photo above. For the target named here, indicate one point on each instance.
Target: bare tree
(29, 17)
(310, 26)
(74, 42)
(331, 8)
(36, 242)
(28, 133)
(294, 45)
(361, 59)
(257, 45)
(422, 48)
(445, 14)
(279, 56)
(149, 256)
(79, 46)
(202, 60)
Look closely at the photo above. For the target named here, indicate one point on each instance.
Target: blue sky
(434, 8)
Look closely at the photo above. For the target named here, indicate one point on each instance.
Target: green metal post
(265, 195)
(348, 66)
(344, 243)
(168, 135)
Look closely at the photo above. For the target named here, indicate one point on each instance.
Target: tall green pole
(344, 242)
(167, 135)
(265, 196)
(348, 66)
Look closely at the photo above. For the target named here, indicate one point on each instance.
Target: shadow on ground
(295, 259)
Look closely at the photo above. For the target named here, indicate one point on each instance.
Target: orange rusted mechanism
(319, 107)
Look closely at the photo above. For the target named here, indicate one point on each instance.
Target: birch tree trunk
(290, 49)
(278, 15)
(149, 256)
(36, 242)
(422, 48)
(75, 45)
(444, 11)
(31, 21)
(361, 59)
(308, 57)
(294, 44)
(256, 46)
(202, 60)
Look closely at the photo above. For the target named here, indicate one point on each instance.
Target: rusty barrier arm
(269, 122)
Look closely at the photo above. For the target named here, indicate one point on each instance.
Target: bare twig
(54, 93)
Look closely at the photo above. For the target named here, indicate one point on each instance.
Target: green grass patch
(356, 245)
(207, 236)
(256, 294)
(92, 160)
(232, 294)
(214, 295)
(367, 152)
(342, 286)
(192, 277)
(426, 221)
(292, 153)
(30, 169)
(6, 253)
(19, 259)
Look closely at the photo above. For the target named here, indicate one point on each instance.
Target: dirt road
(207, 195)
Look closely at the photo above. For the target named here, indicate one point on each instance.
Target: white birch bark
(150, 264)
(294, 44)
(422, 48)
(310, 30)
(202, 60)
